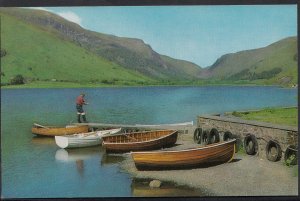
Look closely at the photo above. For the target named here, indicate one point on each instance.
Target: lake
(34, 167)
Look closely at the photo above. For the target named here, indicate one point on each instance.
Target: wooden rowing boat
(138, 141)
(208, 155)
(54, 131)
(83, 139)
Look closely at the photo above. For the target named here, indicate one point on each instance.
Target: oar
(90, 133)
(38, 125)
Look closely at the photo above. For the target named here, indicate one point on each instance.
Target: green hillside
(48, 50)
(274, 64)
(40, 55)
(129, 53)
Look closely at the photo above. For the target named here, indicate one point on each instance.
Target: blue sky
(200, 34)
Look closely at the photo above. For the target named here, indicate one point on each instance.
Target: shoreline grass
(276, 115)
(57, 84)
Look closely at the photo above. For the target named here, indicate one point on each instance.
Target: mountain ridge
(273, 64)
(258, 63)
(130, 53)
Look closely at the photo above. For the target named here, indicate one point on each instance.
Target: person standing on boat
(79, 104)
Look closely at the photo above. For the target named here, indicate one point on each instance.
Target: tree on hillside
(3, 52)
(18, 79)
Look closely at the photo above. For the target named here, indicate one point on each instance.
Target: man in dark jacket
(79, 103)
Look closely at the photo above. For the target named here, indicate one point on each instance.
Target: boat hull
(56, 131)
(206, 156)
(83, 139)
(72, 142)
(166, 139)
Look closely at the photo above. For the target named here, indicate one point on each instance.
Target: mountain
(133, 55)
(41, 56)
(274, 64)
(42, 46)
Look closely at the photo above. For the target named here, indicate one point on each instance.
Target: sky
(200, 34)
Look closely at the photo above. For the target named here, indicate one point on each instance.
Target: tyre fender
(204, 137)
(198, 135)
(273, 151)
(291, 150)
(213, 136)
(227, 136)
(250, 144)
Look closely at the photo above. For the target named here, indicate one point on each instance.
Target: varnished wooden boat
(139, 141)
(206, 156)
(54, 131)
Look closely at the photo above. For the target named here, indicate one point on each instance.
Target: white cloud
(73, 17)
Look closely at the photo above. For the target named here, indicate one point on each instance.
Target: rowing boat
(83, 139)
(212, 154)
(54, 131)
(138, 141)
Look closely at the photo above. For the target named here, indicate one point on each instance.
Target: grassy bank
(123, 83)
(281, 116)
(45, 84)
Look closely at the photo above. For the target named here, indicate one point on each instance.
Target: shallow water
(35, 167)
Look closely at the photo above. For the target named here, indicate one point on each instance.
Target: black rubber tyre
(291, 150)
(227, 136)
(204, 138)
(213, 136)
(198, 135)
(273, 151)
(250, 144)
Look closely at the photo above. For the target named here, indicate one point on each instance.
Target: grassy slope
(182, 67)
(129, 53)
(283, 116)
(277, 55)
(282, 57)
(30, 51)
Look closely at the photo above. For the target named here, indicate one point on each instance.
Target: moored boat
(55, 131)
(138, 141)
(209, 155)
(83, 139)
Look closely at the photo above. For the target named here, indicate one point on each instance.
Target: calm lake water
(35, 167)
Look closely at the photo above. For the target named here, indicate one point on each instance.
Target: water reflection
(69, 155)
(77, 156)
(111, 159)
(141, 188)
(80, 167)
(43, 140)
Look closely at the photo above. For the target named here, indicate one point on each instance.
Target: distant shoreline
(78, 85)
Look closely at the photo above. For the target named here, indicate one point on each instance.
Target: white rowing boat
(83, 139)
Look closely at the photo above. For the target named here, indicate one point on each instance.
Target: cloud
(73, 17)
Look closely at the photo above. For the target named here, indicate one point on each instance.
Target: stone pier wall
(264, 132)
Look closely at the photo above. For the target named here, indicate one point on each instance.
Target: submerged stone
(155, 184)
